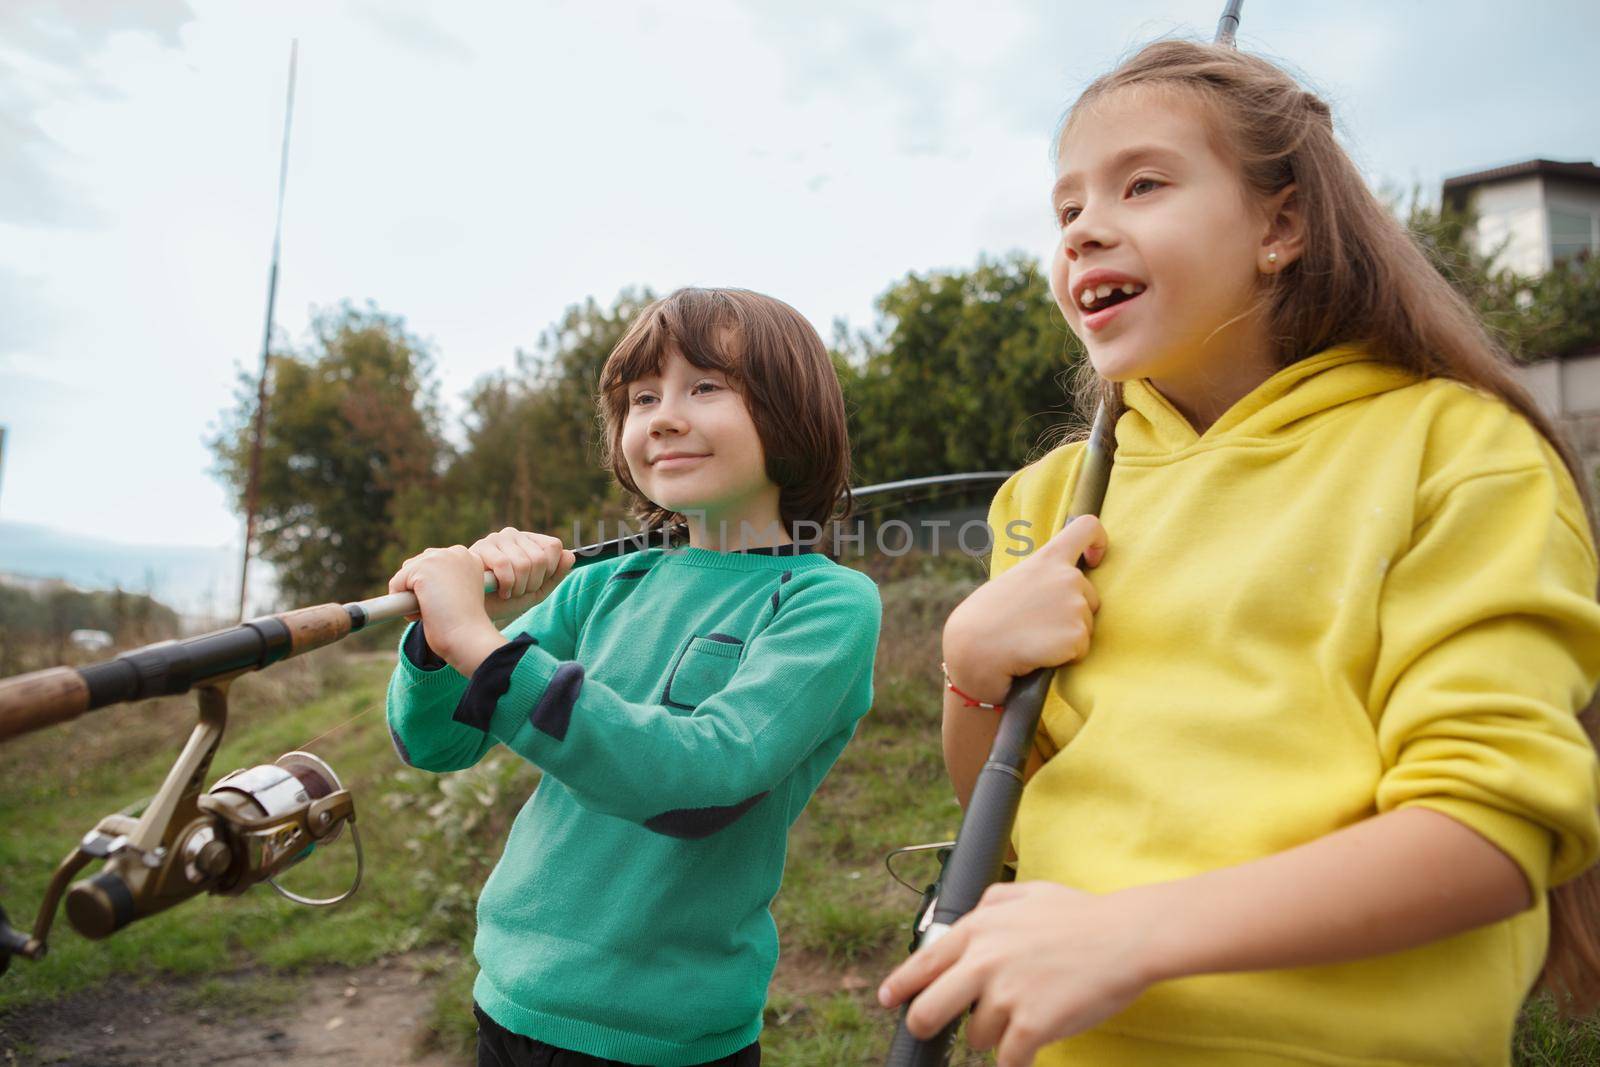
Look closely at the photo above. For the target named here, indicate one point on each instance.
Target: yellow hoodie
(1357, 591)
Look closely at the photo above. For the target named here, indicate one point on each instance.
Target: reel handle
(12, 942)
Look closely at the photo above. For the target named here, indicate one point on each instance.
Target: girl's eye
(1143, 183)
(642, 398)
(707, 385)
(1067, 214)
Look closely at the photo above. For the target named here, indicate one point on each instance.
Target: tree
(1553, 314)
(966, 370)
(352, 429)
(533, 448)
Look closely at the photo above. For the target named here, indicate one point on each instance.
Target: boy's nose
(664, 420)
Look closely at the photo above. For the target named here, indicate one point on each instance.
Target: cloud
(414, 29)
(47, 57)
(26, 317)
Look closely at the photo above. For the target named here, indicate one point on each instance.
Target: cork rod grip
(32, 701)
(315, 627)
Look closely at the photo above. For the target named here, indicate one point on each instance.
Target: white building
(1531, 216)
(1532, 213)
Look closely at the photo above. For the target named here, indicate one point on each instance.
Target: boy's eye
(1067, 214)
(1148, 184)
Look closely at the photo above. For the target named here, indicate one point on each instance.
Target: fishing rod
(254, 824)
(977, 856)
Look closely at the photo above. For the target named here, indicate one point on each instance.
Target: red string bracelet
(967, 701)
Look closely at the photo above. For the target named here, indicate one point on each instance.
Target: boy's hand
(1041, 961)
(448, 583)
(1039, 613)
(526, 566)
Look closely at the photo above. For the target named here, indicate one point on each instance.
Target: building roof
(1576, 171)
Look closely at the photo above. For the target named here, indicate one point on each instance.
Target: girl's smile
(1103, 293)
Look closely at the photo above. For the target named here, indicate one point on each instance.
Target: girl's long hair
(1361, 278)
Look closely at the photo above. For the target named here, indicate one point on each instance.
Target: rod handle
(908, 1051)
(41, 698)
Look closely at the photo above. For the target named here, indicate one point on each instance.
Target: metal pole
(252, 485)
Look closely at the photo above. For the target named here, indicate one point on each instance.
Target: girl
(683, 702)
(1303, 800)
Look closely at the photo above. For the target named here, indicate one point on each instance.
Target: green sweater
(684, 705)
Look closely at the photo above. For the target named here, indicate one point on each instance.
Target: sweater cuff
(1529, 845)
(414, 647)
(424, 680)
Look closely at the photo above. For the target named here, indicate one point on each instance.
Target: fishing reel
(249, 827)
(930, 892)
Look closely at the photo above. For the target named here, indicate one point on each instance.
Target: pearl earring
(1272, 257)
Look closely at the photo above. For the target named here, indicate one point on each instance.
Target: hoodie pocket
(702, 667)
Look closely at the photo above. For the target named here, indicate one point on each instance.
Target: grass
(431, 840)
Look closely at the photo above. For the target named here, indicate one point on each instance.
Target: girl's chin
(1116, 366)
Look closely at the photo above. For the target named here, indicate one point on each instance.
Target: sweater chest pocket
(702, 668)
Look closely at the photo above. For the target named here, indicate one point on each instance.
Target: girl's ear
(1284, 239)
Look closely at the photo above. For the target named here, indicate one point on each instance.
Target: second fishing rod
(977, 859)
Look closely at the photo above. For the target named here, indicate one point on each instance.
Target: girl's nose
(1085, 233)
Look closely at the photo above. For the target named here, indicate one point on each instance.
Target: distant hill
(195, 580)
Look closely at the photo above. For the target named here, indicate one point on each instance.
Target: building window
(1573, 233)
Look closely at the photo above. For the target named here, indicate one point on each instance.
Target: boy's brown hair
(1361, 278)
(779, 366)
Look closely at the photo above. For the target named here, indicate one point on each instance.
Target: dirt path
(374, 1015)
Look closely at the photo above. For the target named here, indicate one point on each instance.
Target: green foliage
(964, 370)
(352, 429)
(967, 370)
(1554, 314)
(532, 458)
(1564, 308)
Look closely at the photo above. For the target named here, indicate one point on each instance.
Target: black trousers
(499, 1047)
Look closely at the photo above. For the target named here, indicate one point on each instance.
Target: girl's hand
(526, 566)
(1043, 962)
(1039, 613)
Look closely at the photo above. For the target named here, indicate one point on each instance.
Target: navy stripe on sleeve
(400, 748)
(554, 710)
(695, 823)
(490, 682)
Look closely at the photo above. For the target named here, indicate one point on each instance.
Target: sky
(477, 168)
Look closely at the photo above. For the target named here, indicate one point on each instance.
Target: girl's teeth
(1089, 296)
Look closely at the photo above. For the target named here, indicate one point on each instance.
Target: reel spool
(279, 813)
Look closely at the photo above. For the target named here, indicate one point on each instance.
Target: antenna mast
(253, 484)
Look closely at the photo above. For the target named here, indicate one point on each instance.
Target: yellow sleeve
(1002, 512)
(1031, 506)
(1490, 646)
(1020, 520)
